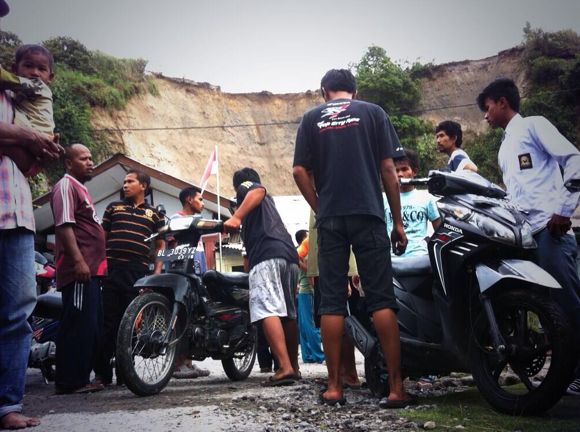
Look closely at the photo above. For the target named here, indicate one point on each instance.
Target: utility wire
(293, 122)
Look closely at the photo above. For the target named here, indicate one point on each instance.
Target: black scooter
(477, 304)
(179, 313)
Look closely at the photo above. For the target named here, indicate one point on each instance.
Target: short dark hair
(410, 156)
(339, 80)
(143, 178)
(188, 192)
(245, 174)
(26, 49)
(501, 87)
(300, 235)
(452, 130)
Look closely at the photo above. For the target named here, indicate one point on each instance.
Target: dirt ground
(216, 404)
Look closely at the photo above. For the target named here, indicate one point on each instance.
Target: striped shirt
(15, 196)
(128, 227)
(71, 204)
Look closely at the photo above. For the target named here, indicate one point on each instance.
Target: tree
(397, 91)
(8, 44)
(385, 83)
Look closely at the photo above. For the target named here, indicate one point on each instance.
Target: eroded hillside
(177, 130)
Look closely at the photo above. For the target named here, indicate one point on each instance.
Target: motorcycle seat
(49, 305)
(211, 277)
(411, 266)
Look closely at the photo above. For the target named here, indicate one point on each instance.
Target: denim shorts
(368, 237)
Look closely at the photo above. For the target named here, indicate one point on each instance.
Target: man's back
(342, 142)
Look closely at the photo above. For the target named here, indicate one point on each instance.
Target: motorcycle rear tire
(239, 367)
(544, 332)
(136, 318)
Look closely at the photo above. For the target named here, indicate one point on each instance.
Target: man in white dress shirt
(536, 162)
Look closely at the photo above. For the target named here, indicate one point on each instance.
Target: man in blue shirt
(449, 138)
(536, 161)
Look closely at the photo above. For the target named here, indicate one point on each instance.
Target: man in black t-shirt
(344, 151)
(273, 263)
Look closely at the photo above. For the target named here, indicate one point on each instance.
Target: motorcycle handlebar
(414, 181)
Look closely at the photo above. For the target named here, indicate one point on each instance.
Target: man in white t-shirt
(192, 204)
(449, 139)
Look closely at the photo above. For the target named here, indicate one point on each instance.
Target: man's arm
(436, 223)
(158, 266)
(470, 166)
(251, 201)
(568, 157)
(66, 236)
(39, 145)
(305, 183)
(391, 186)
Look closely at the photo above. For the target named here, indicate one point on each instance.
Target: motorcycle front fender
(491, 273)
(175, 283)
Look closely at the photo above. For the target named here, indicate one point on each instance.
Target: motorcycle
(476, 304)
(44, 322)
(45, 274)
(181, 313)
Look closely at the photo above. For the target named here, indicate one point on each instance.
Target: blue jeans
(309, 334)
(17, 300)
(558, 257)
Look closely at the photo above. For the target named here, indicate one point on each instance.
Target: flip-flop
(330, 402)
(277, 382)
(396, 403)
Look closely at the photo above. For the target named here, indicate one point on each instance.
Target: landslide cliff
(176, 130)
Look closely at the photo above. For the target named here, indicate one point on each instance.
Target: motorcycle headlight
(492, 228)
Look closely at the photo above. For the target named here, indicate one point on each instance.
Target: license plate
(174, 254)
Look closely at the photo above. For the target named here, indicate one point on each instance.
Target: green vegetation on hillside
(552, 65)
(84, 80)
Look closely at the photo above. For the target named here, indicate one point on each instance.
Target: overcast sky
(254, 45)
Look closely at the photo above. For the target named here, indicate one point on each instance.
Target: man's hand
(232, 224)
(42, 146)
(559, 225)
(82, 271)
(398, 239)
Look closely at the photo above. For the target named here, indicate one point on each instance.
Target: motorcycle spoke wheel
(145, 363)
(240, 365)
(532, 373)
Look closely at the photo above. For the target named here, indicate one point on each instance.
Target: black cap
(4, 9)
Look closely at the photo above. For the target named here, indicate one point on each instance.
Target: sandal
(396, 403)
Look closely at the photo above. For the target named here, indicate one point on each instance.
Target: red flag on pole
(210, 168)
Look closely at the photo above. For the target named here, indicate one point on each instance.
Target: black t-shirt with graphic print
(263, 232)
(343, 142)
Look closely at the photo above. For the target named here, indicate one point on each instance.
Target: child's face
(404, 170)
(34, 65)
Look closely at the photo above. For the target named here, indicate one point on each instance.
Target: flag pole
(218, 200)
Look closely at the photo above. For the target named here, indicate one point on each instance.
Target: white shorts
(273, 289)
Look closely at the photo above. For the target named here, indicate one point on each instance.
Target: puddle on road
(195, 418)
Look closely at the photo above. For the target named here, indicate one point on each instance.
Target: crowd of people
(98, 261)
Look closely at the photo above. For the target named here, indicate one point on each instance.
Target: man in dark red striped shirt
(127, 224)
(80, 264)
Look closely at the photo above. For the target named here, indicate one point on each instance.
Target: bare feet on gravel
(15, 420)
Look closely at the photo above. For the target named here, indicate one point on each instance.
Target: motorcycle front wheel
(240, 365)
(539, 358)
(143, 362)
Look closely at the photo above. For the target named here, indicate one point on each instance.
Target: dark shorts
(371, 247)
